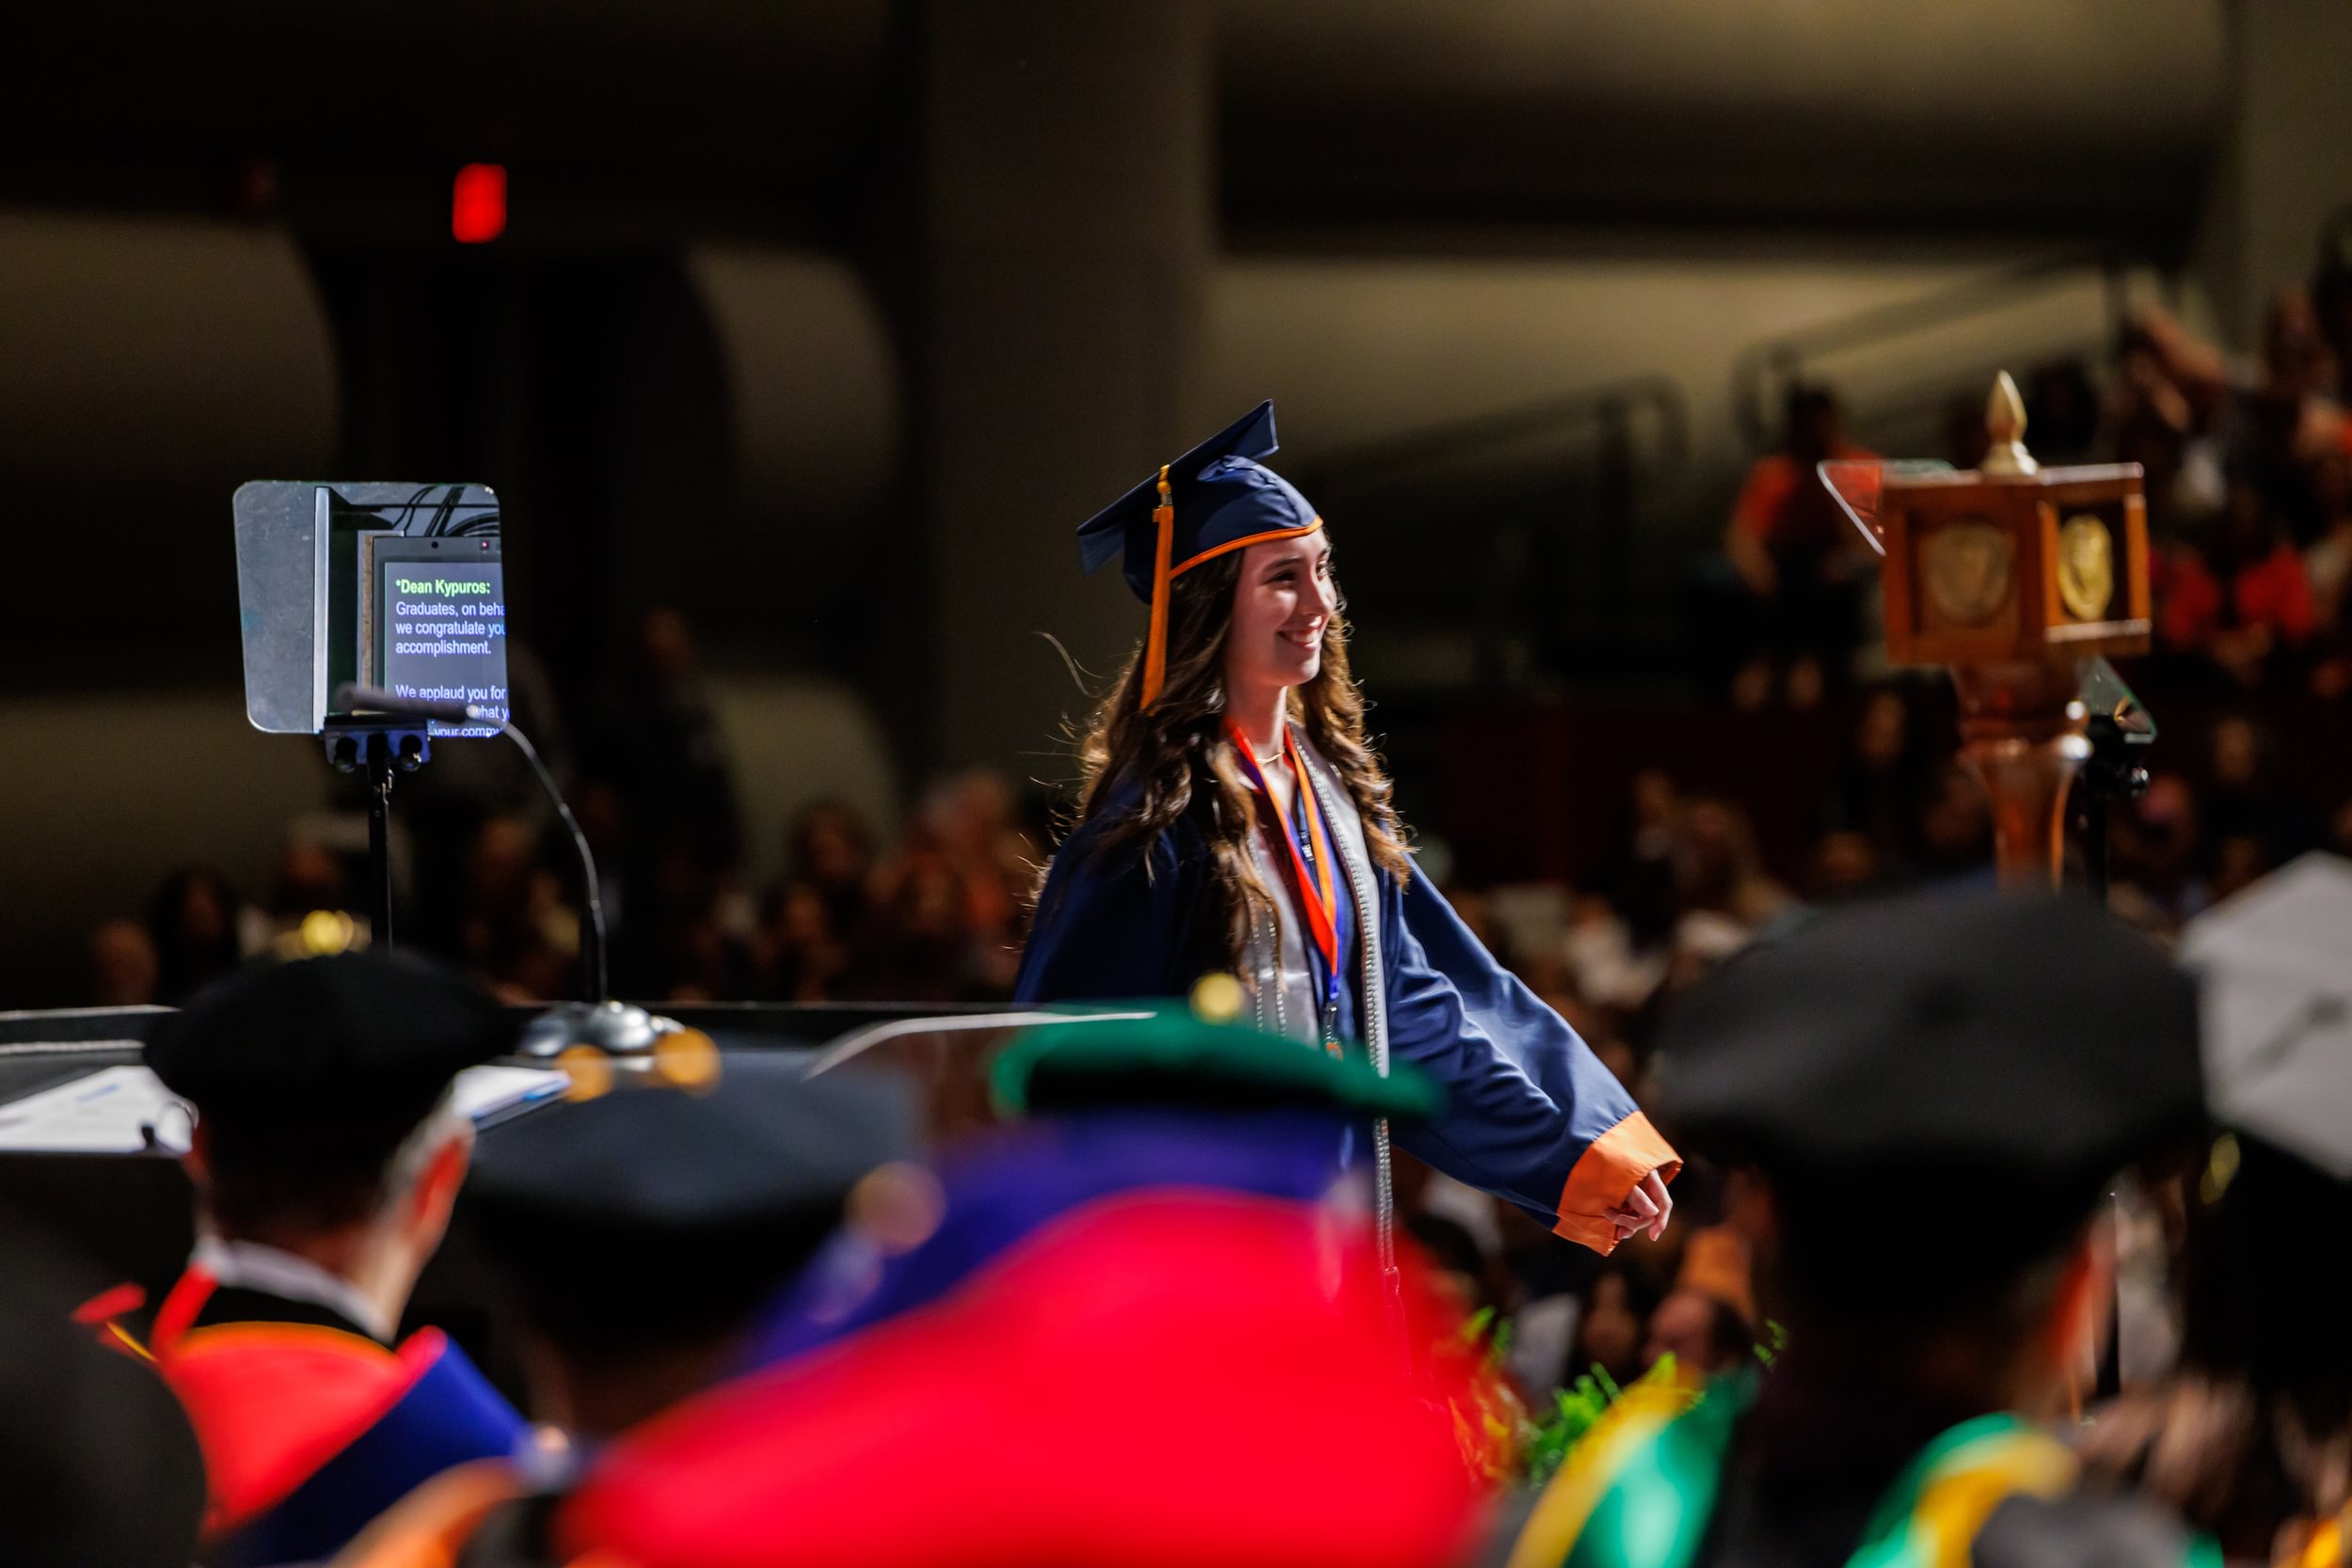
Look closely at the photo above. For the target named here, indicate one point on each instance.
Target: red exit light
(477, 204)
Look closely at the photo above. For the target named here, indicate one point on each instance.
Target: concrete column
(1067, 210)
(2285, 163)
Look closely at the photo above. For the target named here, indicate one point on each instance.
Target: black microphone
(354, 699)
(357, 700)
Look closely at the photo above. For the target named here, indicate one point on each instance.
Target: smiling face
(1283, 602)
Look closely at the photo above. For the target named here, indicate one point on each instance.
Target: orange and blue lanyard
(1311, 860)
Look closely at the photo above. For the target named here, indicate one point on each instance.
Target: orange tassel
(1155, 644)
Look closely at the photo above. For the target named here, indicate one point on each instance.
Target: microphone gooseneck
(359, 700)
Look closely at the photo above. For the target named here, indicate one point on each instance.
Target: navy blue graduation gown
(1532, 1116)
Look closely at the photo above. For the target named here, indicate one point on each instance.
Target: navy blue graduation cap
(1216, 499)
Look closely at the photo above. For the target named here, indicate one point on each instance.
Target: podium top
(1858, 484)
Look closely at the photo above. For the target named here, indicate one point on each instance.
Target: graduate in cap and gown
(1233, 818)
(2249, 1435)
(325, 1159)
(1926, 1100)
(634, 1236)
(1141, 1330)
(98, 1464)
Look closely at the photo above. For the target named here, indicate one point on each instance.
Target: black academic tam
(658, 1216)
(1939, 1085)
(326, 1062)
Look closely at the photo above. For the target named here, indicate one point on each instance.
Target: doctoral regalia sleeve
(310, 1433)
(1118, 925)
(1532, 1115)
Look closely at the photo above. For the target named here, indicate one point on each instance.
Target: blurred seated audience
(800, 953)
(515, 926)
(2246, 799)
(1458, 1267)
(1705, 1334)
(309, 877)
(1725, 894)
(830, 850)
(125, 972)
(1613, 1330)
(1707, 1323)
(193, 918)
(2270, 422)
(1883, 780)
(2246, 602)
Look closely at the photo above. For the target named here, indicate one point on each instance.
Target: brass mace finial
(2004, 422)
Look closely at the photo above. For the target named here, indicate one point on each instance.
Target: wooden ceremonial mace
(2012, 576)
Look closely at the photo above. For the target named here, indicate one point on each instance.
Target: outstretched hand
(1646, 1208)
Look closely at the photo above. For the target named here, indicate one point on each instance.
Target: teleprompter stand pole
(383, 753)
(380, 851)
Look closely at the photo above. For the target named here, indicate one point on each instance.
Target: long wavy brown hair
(1179, 751)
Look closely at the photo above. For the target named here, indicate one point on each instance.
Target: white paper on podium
(485, 1091)
(101, 1114)
(111, 1110)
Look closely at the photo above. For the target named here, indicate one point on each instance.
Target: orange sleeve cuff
(1608, 1170)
